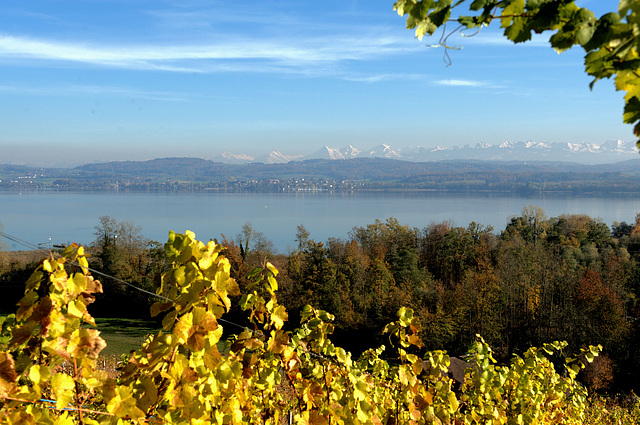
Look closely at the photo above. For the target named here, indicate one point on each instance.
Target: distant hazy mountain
(348, 152)
(276, 157)
(230, 158)
(584, 153)
(381, 151)
(590, 153)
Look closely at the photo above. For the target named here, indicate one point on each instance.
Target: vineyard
(189, 374)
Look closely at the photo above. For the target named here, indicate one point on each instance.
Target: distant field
(124, 335)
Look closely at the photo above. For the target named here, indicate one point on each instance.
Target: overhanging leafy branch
(610, 42)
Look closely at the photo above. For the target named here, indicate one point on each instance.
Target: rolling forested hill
(320, 174)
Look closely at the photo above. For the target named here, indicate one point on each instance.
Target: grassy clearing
(124, 335)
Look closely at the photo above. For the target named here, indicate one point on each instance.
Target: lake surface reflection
(63, 217)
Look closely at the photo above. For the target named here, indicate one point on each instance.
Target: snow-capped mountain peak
(276, 157)
(586, 153)
(232, 158)
(441, 148)
(537, 145)
(350, 151)
(618, 145)
(380, 151)
(334, 153)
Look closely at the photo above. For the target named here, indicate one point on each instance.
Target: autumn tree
(124, 254)
(534, 288)
(311, 279)
(532, 225)
(302, 237)
(480, 294)
(352, 263)
(253, 243)
(600, 311)
(447, 252)
(119, 245)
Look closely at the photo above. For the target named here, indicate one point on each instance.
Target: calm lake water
(63, 217)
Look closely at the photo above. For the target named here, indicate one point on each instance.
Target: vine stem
(298, 396)
(172, 359)
(77, 385)
(327, 389)
(164, 383)
(97, 412)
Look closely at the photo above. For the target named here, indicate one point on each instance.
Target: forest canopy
(537, 280)
(190, 372)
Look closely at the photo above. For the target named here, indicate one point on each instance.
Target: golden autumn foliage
(186, 374)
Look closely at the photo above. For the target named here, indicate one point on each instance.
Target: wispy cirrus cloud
(376, 78)
(469, 83)
(462, 83)
(83, 90)
(210, 18)
(202, 57)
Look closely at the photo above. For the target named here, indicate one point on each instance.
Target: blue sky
(96, 80)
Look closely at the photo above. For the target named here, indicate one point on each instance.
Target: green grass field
(124, 335)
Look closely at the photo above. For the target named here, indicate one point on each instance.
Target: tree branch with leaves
(611, 42)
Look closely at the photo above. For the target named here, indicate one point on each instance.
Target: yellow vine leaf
(62, 386)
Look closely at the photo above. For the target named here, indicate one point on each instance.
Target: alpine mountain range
(585, 153)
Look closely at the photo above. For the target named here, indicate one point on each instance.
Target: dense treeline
(51, 366)
(540, 279)
(564, 278)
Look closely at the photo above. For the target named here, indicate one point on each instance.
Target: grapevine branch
(82, 409)
(76, 378)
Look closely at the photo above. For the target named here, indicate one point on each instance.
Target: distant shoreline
(517, 192)
(335, 176)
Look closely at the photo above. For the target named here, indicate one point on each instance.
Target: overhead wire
(92, 270)
(255, 332)
(34, 247)
(220, 319)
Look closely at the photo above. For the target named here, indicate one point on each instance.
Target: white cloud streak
(82, 90)
(375, 78)
(461, 83)
(202, 57)
(469, 83)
